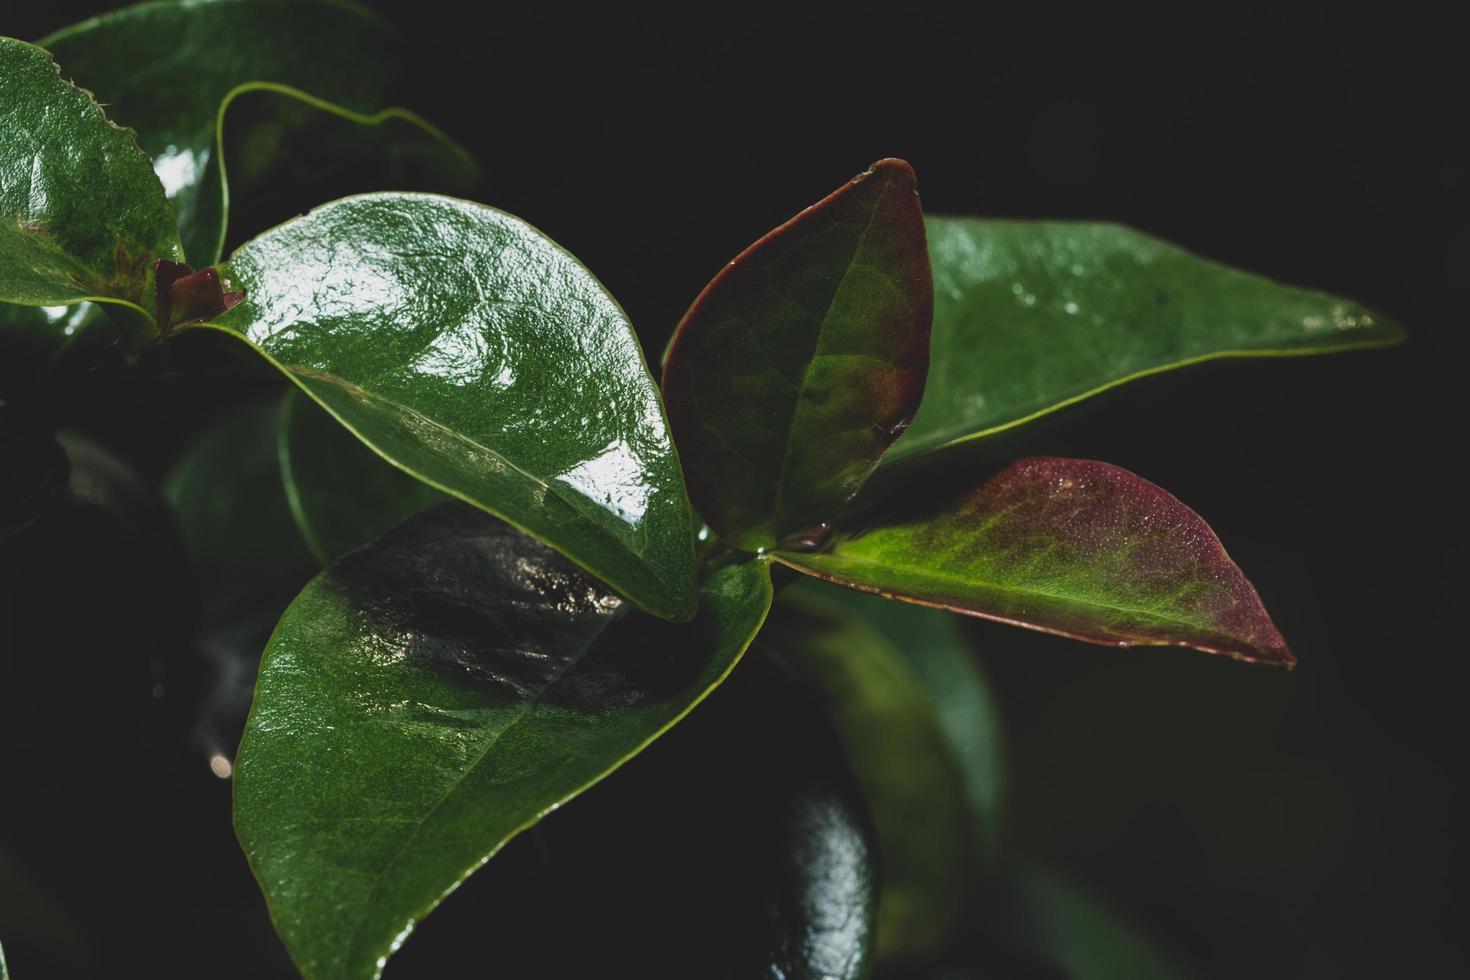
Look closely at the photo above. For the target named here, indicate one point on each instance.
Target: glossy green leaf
(230, 501)
(169, 71)
(239, 57)
(1030, 317)
(898, 748)
(1072, 547)
(944, 663)
(341, 493)
(4, 973)
(803, 360)
(82, 216)
(433, 694)
(725, 851)
(284, 152)
(467, 348)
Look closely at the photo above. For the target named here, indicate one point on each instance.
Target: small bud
(183, 296)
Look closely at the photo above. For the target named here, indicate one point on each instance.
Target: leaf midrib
(957, 435)
(353, 944)
(1024, 590)
(554, 488)
(582, 520)
(780, 504)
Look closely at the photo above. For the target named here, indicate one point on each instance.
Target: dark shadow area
(477, 602)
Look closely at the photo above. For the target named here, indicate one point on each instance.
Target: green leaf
(169, 70)
(432, 695)
(1030, 317)
(468, 349)
(1072, 547)
(82, 217)
(228, 495)
(725, 851)
(4, 973)
(341, 493)
(803, 360)
(912, 781)
(285, 152)
(941, 661)
(285, 149)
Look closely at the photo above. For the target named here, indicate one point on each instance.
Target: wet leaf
(911, 779)
(468, 349)
(82, 217)
(1030, 317)
(285, 152)
(432, 695)
(284, 149)
(727, 850)
(173, 71)
(1073, 547)
(803, 360)
(341, 493)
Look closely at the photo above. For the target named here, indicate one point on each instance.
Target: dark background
(1260, 823)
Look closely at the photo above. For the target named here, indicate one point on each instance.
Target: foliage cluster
(528, 560)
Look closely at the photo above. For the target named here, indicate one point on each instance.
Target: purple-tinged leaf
(803, 360)
(1073, 547)
(184, 297)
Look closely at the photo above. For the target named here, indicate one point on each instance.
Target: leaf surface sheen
(283, 151)
(286, 149)
(433, 694)
(235, 94)
(802, 361)
(82, 216)
(468, 349)
(1030, 317)
(167, 70)
(1074, 547)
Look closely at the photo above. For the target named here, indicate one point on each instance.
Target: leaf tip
(1278, 654)
(895, 169)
